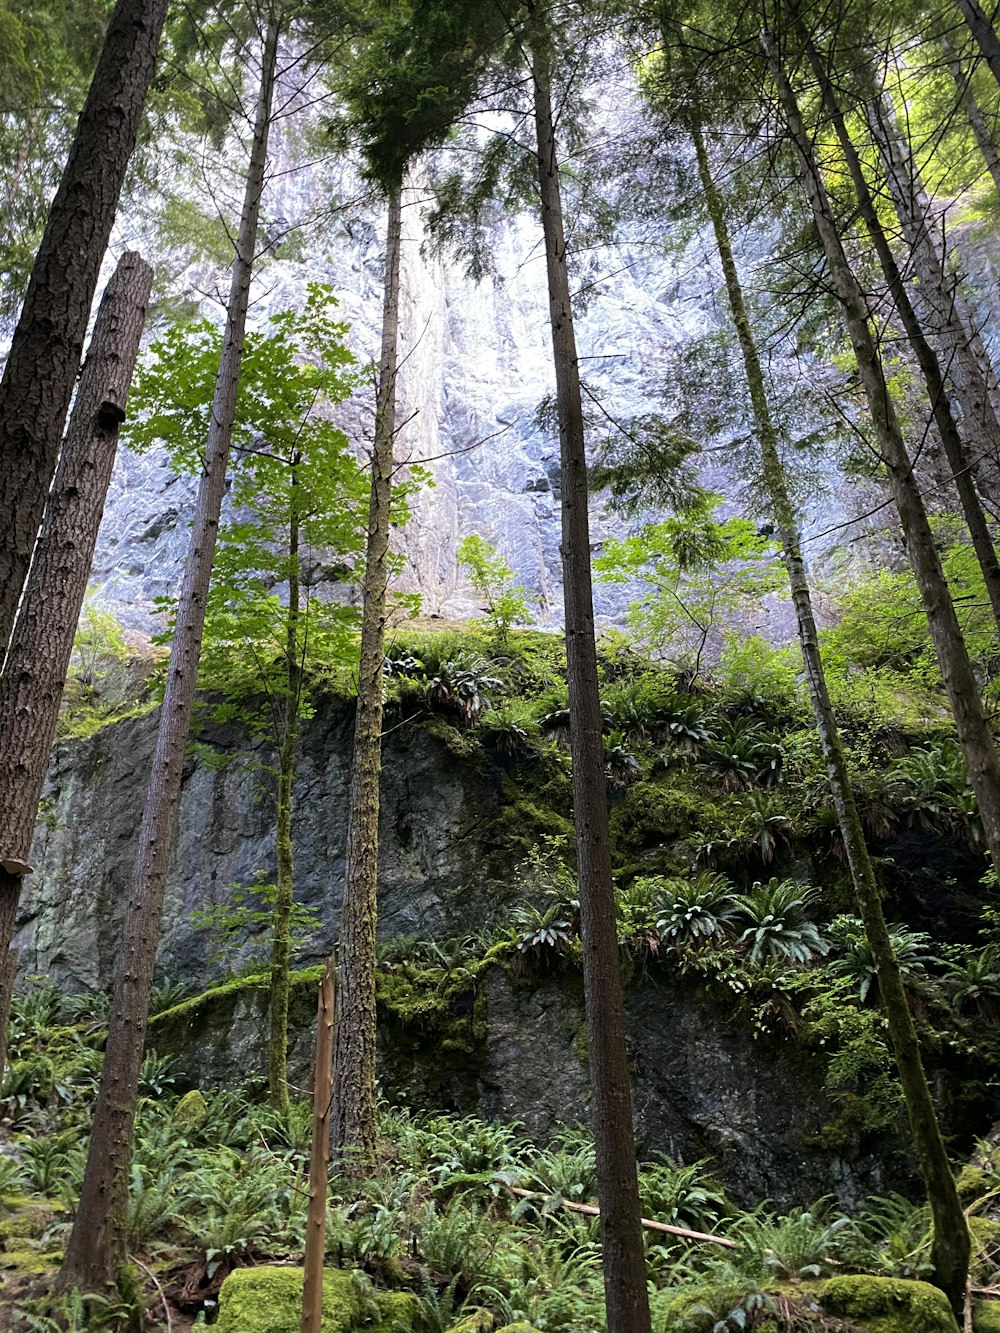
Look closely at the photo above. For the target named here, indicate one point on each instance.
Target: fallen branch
(591, 1211)
(156, 1283)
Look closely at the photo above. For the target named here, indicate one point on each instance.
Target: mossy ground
(269, 1300)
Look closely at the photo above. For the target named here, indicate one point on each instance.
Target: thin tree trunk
(96, 1243)
(32, 683)
(959, 678)
(319, 1157)
(930, 367)
(949, 1251)
(983, 32)
(281, 930)
(621, 1233)
(946, 314)
(44, 358)
(973, 111)
(353, 1121)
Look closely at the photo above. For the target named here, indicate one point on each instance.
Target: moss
(269, 1300)
(180, 1015)
(972, 1183)
(441, 1007)
(520, 1327)
(986, 1317)
(985, 1249)
(191, 1110)
(889, 1305)
(480, 1321)
(650, 812)
(29, 1259)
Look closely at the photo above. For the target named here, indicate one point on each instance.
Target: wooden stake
(591, 1211)
(319, 1157)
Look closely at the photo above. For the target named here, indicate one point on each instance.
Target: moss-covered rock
(986, 1317)
(269, 1300)
(191, 1110)
(889, 1305)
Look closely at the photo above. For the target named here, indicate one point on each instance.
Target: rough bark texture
(45, 352)
(353, 1124)
(281, 925)
(319, 1159)
(32, 682)
(983, 32)
(944, 311)
(930, 367)
(96, 1243)
(951, 1243)
(621, 1234)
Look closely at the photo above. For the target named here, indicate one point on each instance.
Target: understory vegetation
(218, 1182)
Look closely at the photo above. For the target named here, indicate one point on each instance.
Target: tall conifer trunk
(946, 313)
(281, 927)
(353, 1118)
(959, 678)
(44, 357)
(930, 368)
(32, 683)
(621, 1235)
(950, 1248)
(973, 111)
(97, 1241)
(984, 33)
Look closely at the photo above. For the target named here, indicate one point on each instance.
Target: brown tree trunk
(973, 111)
(950, 1250)
(983, 32)
(353, 1120)
(959, 678)
(621, 1233)
(281, 924)
(930, 367)
(32, 682)
(45, 352)
(319, 1158)
(96, 1243)
(945, 312)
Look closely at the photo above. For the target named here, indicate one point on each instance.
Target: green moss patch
(889, 1305)
(269, 1300)
(986, 1317)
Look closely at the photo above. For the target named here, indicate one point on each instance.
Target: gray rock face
(73, 905)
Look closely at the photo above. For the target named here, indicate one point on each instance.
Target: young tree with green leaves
(507, 603)
(96, 1245)
(297, 492)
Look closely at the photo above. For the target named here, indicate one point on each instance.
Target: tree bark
(319, 1158)
(930, 367)
(973, 111)
(983, 32)
(44, 358)
(353, 1121)
(621, 1234)
(951, 1239)
(32, 682)
(281, 931)
(96, 1243)
(945, 312)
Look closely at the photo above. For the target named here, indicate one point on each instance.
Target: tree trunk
(319, 1158)
(946, 313)
(44, 357)
(32, 682)
(96, 1243)
(973, 111)
(353, 1121)
(281, 925)
(959, 678)
(621, 1233)
(950, 1252)
(983, 32)
(930, 367)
